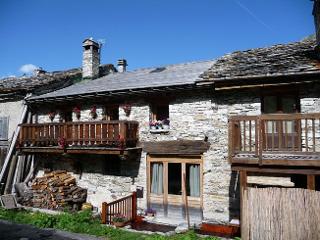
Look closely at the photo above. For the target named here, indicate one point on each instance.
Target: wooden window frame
(153, 108)
(110, 107)
(6, 137)
(166, 198)
(279, 94)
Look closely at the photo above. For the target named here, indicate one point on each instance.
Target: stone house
(120, 140)
(13, 91)
(184, 130)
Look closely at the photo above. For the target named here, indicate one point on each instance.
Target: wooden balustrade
(126, 207)
(99, 133)
(264, 135)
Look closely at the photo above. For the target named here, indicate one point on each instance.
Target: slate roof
(170, 75)
(15, 87)
(278, 60)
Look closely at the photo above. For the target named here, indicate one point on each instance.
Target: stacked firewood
(57, 190)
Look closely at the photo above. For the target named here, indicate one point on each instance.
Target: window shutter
(4, 123)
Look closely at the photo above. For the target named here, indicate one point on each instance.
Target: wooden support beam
(303, 171)
(311, 182)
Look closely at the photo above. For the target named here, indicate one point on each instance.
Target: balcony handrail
(79, 122)
(296, 133)
(277, 116)
(120, 133)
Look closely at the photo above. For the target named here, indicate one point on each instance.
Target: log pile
(56, 190)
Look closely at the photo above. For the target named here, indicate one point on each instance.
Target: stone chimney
(90, 59)
(122, 65)
(316, 14)
(39, 71)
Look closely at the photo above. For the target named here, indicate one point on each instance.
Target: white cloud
(27, 68)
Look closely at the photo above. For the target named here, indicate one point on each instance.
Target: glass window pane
(156, 175)
(193, 180)
(270, 104)
(174, 179)
(288, 104)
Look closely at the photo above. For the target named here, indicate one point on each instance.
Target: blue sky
(49, 33)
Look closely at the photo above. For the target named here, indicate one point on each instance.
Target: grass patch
(83, 222)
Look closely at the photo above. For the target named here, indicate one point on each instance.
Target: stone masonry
(192, 118)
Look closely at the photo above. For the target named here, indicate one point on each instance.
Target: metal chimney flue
(122, 65)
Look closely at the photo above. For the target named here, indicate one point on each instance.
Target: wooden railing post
(134, 206)
(104, 213)
(261, 133)
(123, 134)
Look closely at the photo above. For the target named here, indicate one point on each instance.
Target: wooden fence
(280, 213)
(126, 207)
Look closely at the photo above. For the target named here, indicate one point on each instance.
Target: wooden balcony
(275, 139)
(100, 137)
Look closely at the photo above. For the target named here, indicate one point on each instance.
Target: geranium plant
(93, 112)
(51, 115)
(62, 142)
(150, 212)
(166, 121)
(77, 111)
(126, 108)
(120, 218)
(156, 124)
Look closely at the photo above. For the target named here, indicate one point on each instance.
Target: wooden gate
(280, 213)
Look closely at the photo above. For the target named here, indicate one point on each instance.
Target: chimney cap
(90, 42)
(122, 62)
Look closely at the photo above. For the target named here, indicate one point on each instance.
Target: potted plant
(119, 220)
(150, 212)
(51, 115)
(126, 108)
(77, 111)
(93, 112)
(153, 125)
(62, 142)
(165, 123)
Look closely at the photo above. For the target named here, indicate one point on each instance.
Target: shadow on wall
(112, 165)
(234, 196)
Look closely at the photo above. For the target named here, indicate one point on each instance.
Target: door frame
(166, 198)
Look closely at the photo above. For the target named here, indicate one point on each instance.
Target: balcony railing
(275, 139)
(118, 134)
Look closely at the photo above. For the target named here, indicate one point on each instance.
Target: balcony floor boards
(80, 150)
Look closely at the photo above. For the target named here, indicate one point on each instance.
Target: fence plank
(281, 213)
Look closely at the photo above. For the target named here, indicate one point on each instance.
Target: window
(159, 119)
(276, 133)
(111, 113)
(156, 178)
(4, 124)
(280, 104)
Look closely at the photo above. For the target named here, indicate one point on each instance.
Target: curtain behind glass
(157, 178)
(194, 180)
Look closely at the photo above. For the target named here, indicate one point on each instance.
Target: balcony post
(123, 134)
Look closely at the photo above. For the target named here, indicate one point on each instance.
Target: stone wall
(192, 118)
